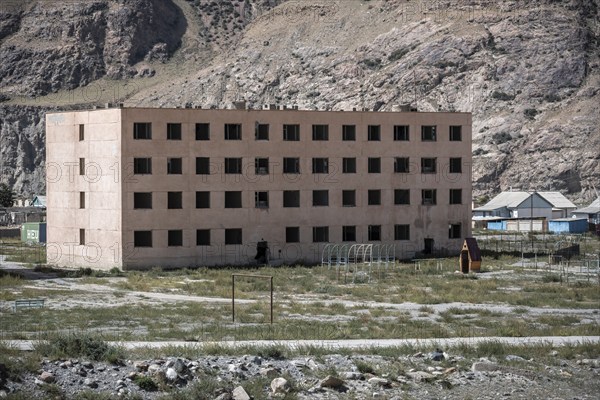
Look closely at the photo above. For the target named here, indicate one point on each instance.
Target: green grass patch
(76, 345)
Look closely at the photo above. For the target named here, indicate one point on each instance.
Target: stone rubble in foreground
(421, 376)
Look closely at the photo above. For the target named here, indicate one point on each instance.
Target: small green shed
(33, 232)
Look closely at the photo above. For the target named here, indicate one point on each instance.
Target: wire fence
(535, 245)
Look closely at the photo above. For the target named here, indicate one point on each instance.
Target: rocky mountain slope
(528, 72)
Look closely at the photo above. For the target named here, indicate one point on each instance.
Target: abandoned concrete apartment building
(144, 187)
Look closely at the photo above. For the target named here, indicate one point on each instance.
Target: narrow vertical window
(173, 131)
(81, 132)
(81, 199)
(82, 237)
(261, 199)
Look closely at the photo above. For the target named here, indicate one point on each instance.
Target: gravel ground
(435, 375)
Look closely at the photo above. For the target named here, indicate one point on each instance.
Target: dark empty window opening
(320, 165)
(82, 166)
(320, 132)
(374, 165)
(81, 132)
(142, 238)
(428, 165)
(142, 130)
(401, 232)
(142, 200)
(202, 166)
(175, 238)
(348, 198)
(349, 132)
(374, 233)
(455, 196)
(174, 200)
(233, 165)
(261, 199)
(81, 199)
(401, 133)
(174, 166)
(349, 233)
(320, 234)
(291, 165)
(203, 237)
(455, 165)
(292, 234)
(142, 166)
(262, 131)
(202, 199)
(428, 133)
(233, 199)
(349, 165)
(173, 131)
(82, 237)
(374, 197)
(233, 236)
(374, 133)
(291, 198)
(402, 165)
(202, 131)
(402, 196)
(233, 132)
(261, 166)
(428, 197)
(456, 133)
(291, 133)
(454, 231)
(320, 198)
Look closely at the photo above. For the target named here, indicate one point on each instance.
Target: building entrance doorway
(428, 246)
(464, 261)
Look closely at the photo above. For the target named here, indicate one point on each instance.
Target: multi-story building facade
(141, 187)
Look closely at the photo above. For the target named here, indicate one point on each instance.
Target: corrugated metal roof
(557, 200)
(504, 199)
(593, 208)
(513, 199)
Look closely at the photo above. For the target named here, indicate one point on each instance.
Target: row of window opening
(291, 132)
(320, 234)
(291, 165)
(291, 198)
